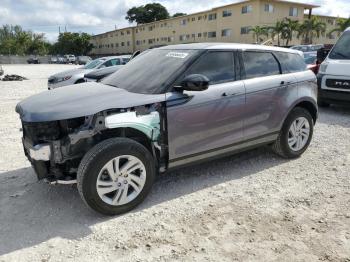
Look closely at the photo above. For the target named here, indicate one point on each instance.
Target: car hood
(72, 72)
(338, 67)
(80, 100)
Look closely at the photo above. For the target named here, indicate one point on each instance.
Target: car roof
(347, 29)
(228, 46)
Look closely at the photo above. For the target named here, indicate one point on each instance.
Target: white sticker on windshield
(177, 55)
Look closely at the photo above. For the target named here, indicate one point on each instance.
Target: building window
(116, 45)
(205, 34)
(150, 28)
(212, 17)
(199, 35)
(199, 18)
(128, 43)
(121, 33)
(183, 22)
(128, 32)
(211, 34)
(137, 31)
(226, 13)
(193, 35)
(137, 42)
(122, 43)
(245, 30)
(247, 9)
(193, 19)
(293, 11)
(268, 8)
(226, 32)
(112, 45)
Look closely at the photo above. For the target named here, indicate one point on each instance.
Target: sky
(98, 16)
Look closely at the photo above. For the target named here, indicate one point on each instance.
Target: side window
(115, 61)
(258, 64)
(291, 63)
(217, 66)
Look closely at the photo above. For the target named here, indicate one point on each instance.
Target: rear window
(291, 63)
(258, 64)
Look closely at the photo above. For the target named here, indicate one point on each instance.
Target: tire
(90, 173)
(281, 145)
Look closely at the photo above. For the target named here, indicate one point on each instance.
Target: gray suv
(168, 107)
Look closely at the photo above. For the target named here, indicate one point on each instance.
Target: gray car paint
(80, 100)
(198, 122)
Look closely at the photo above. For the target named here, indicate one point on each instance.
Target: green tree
(72, 43)
(311, 28)
(179, 14)
(342, 24)
(258, 32)
(147, 13)
(277, 30)
(290, 27)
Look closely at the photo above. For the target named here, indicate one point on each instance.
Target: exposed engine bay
(55, 148)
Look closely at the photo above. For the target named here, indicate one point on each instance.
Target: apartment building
(229, 23)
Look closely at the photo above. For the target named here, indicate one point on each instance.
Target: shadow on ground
(33, 212)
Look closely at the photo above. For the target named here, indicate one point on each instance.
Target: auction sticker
(177, 54)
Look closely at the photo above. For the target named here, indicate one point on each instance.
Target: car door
(265, 93)
(205, 121)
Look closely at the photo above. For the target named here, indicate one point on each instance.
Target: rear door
(266, 91)
(200, 122)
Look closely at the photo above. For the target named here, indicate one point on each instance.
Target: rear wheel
(295, 135)
(115, 176)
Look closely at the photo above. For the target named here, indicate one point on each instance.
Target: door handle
(285, 83)
(226, 94)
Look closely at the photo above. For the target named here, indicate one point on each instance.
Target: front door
(206, 121)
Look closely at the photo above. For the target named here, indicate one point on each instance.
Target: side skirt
(223, 151)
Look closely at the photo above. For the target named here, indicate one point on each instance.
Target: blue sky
(104, 15)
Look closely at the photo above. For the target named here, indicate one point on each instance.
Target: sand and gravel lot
(250, 207)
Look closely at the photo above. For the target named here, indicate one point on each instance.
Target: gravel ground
(250, 207)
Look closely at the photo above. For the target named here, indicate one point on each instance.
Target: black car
(33, 60)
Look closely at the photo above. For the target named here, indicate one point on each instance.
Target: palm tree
(290, 26)
(259, 31)
(342, 24)
(311, 28)
(277, 30)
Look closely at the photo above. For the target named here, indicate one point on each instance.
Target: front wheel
(295, 135)
(115, 176)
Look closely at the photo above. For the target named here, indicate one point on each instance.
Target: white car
(76, 76)
(334, 74)
(70, 58)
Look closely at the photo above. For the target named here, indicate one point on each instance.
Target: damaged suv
(168, 107)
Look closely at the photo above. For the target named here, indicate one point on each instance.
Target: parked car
(61, 60)
(33, 60)
(98, 74)
(76, 76)
(53, 60)
(310, 59)
(307, 48)
(167, 108)
(82, 60)
(334, 74)
(70, 59)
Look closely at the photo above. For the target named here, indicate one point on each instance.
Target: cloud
(104, 15)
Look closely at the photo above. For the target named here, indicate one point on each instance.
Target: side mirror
(195, 82)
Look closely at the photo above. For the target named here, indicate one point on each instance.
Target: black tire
(281, 146)
(94, 161)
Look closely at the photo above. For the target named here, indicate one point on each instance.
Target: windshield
(341, 49)
(151, 72)
(310, 58)
(93, 64)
